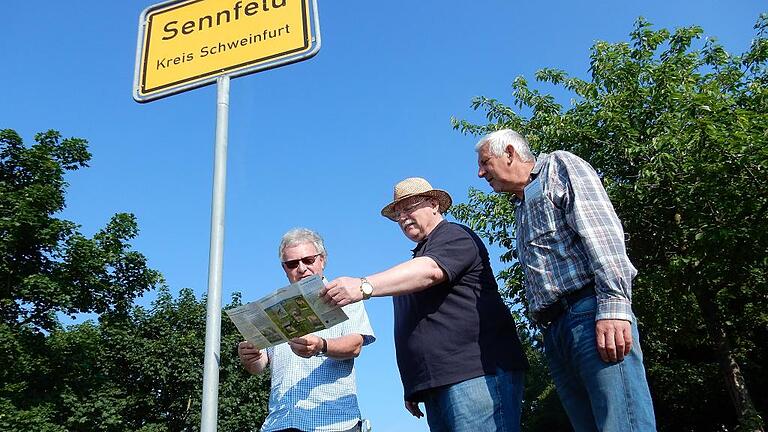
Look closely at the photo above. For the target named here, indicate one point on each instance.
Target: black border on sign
(145, 91)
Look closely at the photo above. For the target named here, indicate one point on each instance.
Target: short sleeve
(358, 322)
(453, 250)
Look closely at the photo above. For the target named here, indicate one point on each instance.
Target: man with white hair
(313, 377)
(578, 281)
(457, 346)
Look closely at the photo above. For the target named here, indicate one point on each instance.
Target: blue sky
(319, 143)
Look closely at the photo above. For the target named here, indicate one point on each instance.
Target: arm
(252, 359)
(589, 212)
(408, 277)
(591, 215)
(340, 348)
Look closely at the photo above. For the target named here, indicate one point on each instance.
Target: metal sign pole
(213, 316)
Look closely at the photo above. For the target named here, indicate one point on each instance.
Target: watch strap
(323, 349)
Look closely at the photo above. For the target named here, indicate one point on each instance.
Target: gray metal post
(215, 258)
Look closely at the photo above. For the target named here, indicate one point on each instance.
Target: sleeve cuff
(614, 309)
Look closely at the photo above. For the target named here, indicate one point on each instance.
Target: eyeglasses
(307, 260)
(396, 214)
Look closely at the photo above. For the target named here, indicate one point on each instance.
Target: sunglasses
(307, 260)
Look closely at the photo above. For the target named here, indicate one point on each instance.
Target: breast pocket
(541, 220)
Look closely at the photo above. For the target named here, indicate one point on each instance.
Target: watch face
(367, 288)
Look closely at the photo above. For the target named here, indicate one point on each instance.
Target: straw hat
(416, 186)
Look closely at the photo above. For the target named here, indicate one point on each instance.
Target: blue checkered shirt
(568, 235)
(318, 393)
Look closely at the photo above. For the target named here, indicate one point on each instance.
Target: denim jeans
(487, 403)
(596, 395)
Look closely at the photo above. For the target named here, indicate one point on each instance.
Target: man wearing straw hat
(456, 341)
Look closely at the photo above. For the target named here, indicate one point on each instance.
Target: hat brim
(443, 198)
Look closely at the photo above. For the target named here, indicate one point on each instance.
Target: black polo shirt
(459, 329)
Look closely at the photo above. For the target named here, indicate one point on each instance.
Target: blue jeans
(487, 403)
(596, 395)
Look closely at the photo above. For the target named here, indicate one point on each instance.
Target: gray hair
(299, 236)
(499, 140)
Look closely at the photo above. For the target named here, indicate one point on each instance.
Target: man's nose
(480, 172)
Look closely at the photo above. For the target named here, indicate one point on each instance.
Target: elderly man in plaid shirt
(578, 281)
(313, 377)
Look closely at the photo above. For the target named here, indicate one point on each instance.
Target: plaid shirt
(568, 235)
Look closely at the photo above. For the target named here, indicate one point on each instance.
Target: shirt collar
(534, 173)
(420, 244)
(537, 166)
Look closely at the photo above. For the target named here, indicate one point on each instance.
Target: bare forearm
(344, 347)
(405, 278)
(408, 277)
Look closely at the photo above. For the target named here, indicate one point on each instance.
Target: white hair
(299, 236)
(499, 140)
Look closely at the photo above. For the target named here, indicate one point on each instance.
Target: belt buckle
(543, 325)
(554, 311)
(549, 314)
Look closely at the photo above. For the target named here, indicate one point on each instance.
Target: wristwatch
(324, 349)
(366, 288)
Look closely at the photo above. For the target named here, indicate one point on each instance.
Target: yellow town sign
(185, 44)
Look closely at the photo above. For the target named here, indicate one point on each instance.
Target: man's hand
(342, 291)
(306, 346)
(250, 357)
(614, 339)
(413, 408)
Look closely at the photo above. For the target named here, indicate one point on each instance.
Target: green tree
(46, 265)
(134, 370)
(48, 268)
(678, 129)
(144, 372)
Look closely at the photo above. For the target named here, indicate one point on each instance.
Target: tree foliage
(678, 129)
(136, 369)
(46, 265)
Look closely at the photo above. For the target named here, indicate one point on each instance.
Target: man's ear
(434, 203)
(510, 151)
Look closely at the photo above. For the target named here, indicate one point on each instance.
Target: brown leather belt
(551, 313)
